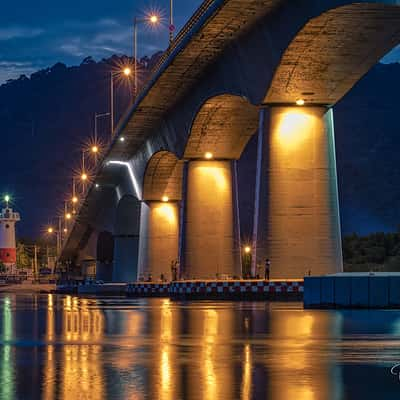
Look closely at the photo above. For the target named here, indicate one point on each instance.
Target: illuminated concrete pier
(302, 212)
(211, 247)
(159, 239)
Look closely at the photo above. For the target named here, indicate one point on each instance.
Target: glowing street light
(247, 249)
(74, 199)
(68, 215)
(122, 139)
(94, 149)
(84, 177)
(50, 230)
(127, 71)
(154, 19)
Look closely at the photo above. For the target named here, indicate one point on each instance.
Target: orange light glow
(50, 230)
(300, 102)
(167, 213)
(95, 149)
(247, 249)
(68, 216)
(74, 199)
(208, 155)
(84, 177)
(294, 128)
(165, 199)
(127, 71)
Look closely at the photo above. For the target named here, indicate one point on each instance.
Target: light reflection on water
(63, 347)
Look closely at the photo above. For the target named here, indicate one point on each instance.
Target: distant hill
(44, 120)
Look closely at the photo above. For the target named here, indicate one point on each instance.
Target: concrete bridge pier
(104, 271)
(210, 225)
(126, 240)
(126, 256)
(297, 225)
(159, 238)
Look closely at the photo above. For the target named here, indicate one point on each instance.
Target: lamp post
(67, 217)
(51, 230)
(96, 116)
(126, 71)
(84, 175)
(153, 19)
(171, 27)
(74, 199)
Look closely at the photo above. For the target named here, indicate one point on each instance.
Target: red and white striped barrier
(231, 288)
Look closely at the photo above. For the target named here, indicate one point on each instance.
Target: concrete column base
(159, 239)
(126, 249)
(211, 246)
(104, 271)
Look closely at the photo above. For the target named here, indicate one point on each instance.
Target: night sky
(37, 34)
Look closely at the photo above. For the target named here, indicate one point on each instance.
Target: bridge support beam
(297, 223)
(159, 239)
(126, 250)
(211, 237)
(104, 271)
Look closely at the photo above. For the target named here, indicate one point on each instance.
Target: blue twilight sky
(37, 34)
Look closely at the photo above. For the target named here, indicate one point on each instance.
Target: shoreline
(28, 288)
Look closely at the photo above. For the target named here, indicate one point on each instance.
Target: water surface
(65, 347)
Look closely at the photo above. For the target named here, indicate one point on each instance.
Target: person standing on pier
(267, 269)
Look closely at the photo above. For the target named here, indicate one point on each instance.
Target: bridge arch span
(333, 50)
(222, 126)
(163, 177)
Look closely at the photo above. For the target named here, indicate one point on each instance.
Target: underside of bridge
(223, 126)
(333, 51)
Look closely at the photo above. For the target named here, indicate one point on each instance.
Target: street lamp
(74, 198)
(96, 116)
(153, 19)
(126, 71)
(171, 27)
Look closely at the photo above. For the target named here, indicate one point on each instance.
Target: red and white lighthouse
(8, 219)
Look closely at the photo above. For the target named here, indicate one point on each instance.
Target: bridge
(167, 186)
